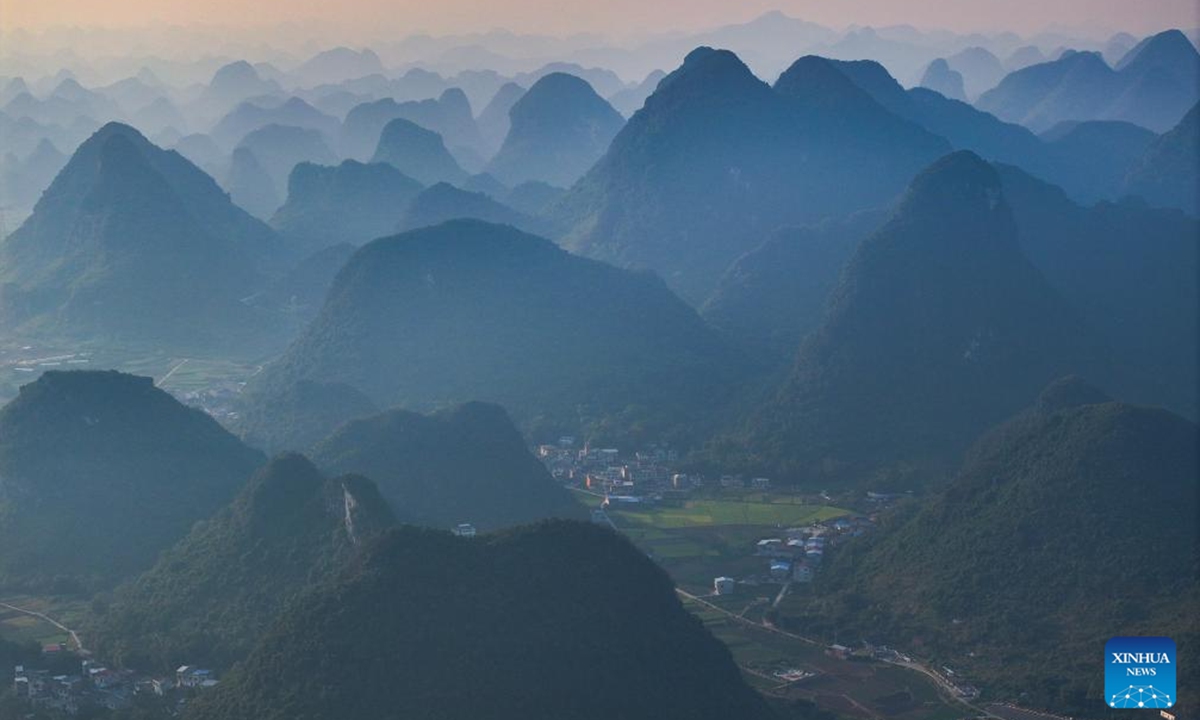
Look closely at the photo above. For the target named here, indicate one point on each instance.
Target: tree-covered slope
(939, 327)
(1074, 522)
(350, 203)
(99, 471)
(1131, 272)
(133, 243)
(1167, 174)
(471, 311)
(212, 594)
(716, 159)
(563, 620)
(559, 129)
(465, 464)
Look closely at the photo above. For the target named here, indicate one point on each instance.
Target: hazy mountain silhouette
(443, 202)
(418, 153)
(534, 197)
(449, 116)
(350, 203)
(559, 129)
(979, 68)
(493, 120)
(630, 100)
(464, 464)
(1098, 154)
(24, 180)
(249, 117)
(101, 472)
(774, 295)
(134, 243)
(940, 78)
(233, 84)
(1153, 86)
(939, 327)
(1079, 164)
(1131, 271)
(203, 152)
(279, 148)
(1166, 174)
(717, 158)
(468, 310)
(250, 185)
(338, 64)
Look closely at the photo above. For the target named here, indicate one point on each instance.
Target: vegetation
(559, 129)
(101, 471)
(210, 596)
(772, 297)
(135, 244)
(350, 203)
(1149, 318)
(1073, 523)
(467, 464)
(484, 312)
(300, 415)
(717, 159)
(454, 625)
(939, 328)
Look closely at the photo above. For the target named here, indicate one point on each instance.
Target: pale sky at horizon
(611, 17)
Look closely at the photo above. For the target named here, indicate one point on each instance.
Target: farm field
(21, 628)
(23, 363)
(852, 688)
(699, 539)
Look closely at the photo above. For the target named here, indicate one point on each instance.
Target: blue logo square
(1139, 673)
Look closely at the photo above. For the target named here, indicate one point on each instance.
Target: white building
(724, 585)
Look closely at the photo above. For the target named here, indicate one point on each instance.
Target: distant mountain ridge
(938, 328)
(134, 243)
(1153, 86)
(351, 202)
(468, 310)
(716, 159)
(559, 129)
(466, 464)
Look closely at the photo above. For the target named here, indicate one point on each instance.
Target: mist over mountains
(768, 371)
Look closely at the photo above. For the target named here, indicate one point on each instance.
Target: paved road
(42, 616)
(941, 682)
(172, 372)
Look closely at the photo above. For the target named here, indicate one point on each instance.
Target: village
(629, 491)
(72, 683)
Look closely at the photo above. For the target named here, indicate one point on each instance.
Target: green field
(20, 628)
(696, 540)
(773, 513)
(22, 363)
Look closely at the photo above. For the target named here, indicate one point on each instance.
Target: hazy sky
(612, 17)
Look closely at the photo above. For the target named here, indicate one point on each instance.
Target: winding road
(46, 618)
(942, 683)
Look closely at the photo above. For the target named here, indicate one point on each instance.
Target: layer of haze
(612, 17)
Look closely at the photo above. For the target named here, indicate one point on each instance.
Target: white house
(724, 585)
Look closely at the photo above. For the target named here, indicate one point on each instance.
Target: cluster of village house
(647, 474)
(95, 685)
(606, 470)
(797, 553)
